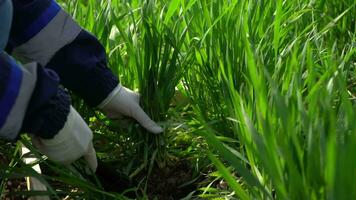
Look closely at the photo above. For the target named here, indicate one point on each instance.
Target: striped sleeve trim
(17, 102)
(10, 93)
(37, 25)
(60, 31)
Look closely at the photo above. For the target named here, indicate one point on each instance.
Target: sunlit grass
(269, 85)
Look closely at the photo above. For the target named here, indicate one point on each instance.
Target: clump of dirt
(15, 185)
(168, 182)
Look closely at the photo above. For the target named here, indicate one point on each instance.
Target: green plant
(284, 79)
(268, 85)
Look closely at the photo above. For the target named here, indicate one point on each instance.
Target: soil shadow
(174, 181)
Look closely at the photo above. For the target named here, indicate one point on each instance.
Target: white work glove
(123, 101)
(73, 141)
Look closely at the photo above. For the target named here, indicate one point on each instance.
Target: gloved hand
(123, 101)
(73, 141)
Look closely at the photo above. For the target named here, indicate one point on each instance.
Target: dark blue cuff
(48, 108)
(82, 67)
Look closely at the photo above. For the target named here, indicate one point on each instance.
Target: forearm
(30, 100)
(44, 33)
(83, 69)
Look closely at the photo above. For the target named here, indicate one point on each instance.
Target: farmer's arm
(43, 32)
(31, 101)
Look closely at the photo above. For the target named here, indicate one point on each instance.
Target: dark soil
(15, 185)
(168, 183)
(111, 179)
(12, 185)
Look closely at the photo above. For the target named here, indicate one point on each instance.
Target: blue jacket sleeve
(30, 100)
(5, 21)
(43, 32)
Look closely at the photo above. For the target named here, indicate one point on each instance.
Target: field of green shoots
(257, 99)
